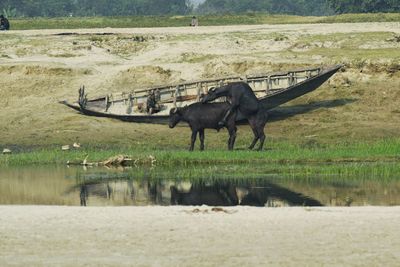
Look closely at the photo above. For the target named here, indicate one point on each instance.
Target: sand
(181, 236)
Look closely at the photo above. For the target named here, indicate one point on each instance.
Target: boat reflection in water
(168, 192)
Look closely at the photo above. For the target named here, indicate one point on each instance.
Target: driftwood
(119, 160)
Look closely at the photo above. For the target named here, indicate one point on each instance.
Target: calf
(201, 116)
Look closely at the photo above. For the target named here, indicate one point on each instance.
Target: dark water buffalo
(240, 95)
(204, 116)
(242, 98)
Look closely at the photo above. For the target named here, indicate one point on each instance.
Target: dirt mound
(120, 44)
(245, 67)
(222, 68)
(41, 70)
(144, 76)
(390, 67)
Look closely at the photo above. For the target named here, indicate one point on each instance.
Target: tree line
(300, 7)
(293, 7)
(63, 8)
(364, 6)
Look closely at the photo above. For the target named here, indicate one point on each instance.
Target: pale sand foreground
(177, 236)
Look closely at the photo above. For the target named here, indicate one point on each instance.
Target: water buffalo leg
(193, 140)
(261, 121)
(256, 137)
(201, 134)
(232, 138)
(253, 143)
(262, 139)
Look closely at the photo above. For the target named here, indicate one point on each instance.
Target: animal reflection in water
(119, 192)
(269, 194)
(131, 192)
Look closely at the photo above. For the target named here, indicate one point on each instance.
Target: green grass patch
(352, 171)
(354, 57)
(348, 40)
(278, 152)
(368, 17)
(182, 21)
(152, 21)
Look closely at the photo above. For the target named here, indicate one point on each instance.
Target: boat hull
(97, 108)
(297, 90)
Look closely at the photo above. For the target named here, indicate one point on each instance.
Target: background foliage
(62, 8)
(85, 8)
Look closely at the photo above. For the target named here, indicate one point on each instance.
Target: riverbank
(309, 151)
(190, 236)
(182, 21)
(39, 68)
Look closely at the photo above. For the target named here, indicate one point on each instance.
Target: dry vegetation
(39, 68)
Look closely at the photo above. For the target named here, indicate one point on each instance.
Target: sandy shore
(181, 236)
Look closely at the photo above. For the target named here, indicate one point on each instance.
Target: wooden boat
(271, 89)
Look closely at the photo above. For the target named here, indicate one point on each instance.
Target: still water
(59, 185)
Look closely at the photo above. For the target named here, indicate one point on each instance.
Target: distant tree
(9, 12)
(297, 7)
(364, 6)
(55, 8)
(380, 6)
